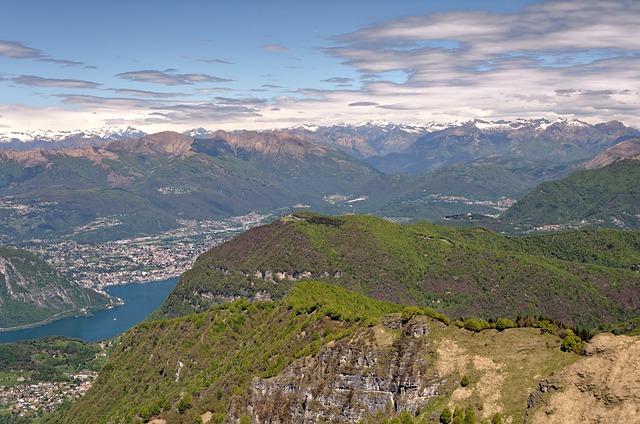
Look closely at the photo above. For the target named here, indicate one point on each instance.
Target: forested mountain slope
(585, 278)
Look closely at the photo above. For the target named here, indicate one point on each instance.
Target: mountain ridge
(460, 271)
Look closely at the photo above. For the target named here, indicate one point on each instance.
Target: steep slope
(145, 184)
(628, 149)
(606, 197)
(321, 354)
(461, 271)
(31, 292)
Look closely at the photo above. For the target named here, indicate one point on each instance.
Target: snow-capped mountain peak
(104, 133)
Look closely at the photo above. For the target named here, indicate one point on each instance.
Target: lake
(140, 300)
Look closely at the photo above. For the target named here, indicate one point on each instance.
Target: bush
(470, 416)
(465, 381)
(409, 312)
(458, 415)
(185, 403)
(473, 324)
(504, 323)
(573, 343)
(445, 416)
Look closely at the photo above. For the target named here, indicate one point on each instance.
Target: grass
(503, 367)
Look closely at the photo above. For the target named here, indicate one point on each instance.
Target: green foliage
(185, 403)
(603, 197)
(572, 276)
(473, 324)
(49, 358)
(409, 312)
(573, 343)
(470, 416)
(215, 355)
(458, 415)
(504, 323)
(43, 294)
(465, 381)
(496, 419)
(337, 303)
(445, 416)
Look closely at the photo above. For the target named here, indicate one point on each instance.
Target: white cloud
(18, 51)
(503, 65)
(168, 77)
(34, 81)
(275, 48)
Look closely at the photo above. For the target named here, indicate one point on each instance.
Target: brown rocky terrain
(628, 149)
(603, 387)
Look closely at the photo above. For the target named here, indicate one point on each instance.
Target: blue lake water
(140, 301)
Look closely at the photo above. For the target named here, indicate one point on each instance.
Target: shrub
(473, 324)
(573, 343)
(504, 323)
(465, 381)
(185, 403)
(457, 413)
(409, 312)
(470, 416)
(445, 416)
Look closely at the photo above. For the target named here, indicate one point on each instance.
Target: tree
(465, 381)
(573, 343)
(470, 416)
(458, 416)
(504, 323)
(185, 403)
(445, 416)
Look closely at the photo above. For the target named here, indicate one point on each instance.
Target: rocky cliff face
(371, 374)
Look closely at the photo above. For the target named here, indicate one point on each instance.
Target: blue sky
(177, 65)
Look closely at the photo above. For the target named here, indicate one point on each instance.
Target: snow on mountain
(104, 133)
(197, 132)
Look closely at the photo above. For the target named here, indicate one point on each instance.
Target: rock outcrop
(604, 387)
(353, 379)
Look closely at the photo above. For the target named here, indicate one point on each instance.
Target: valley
(345, 292)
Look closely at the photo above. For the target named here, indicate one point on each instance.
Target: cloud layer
(551, 59)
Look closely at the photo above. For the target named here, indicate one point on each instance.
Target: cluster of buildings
(28, 399)
(141, 259)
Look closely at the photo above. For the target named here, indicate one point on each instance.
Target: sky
(177, 65)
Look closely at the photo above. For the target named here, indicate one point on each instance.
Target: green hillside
(606, 197)
(322, 353)
(32, 292)
(583, 278)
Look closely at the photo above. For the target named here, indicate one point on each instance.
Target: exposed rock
(604, 387)
(350, 380)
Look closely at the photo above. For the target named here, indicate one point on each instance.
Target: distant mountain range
(390, 146)
(39, 139)
(143, 184)
(552, 143)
